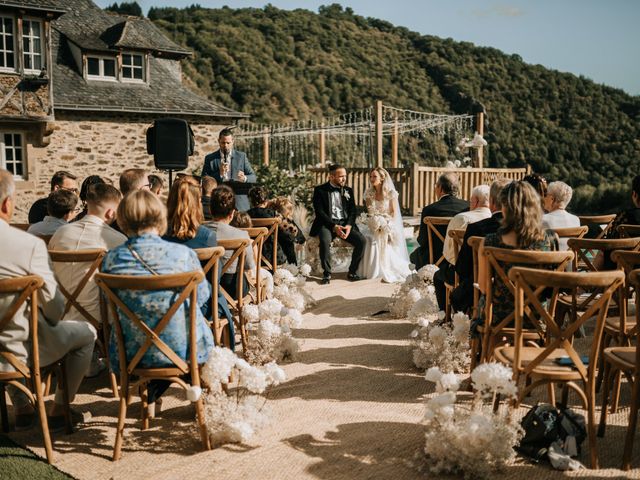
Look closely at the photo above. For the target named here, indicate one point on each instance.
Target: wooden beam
(480, 130)
(322, 148)
(379, 159)
(394, 144)
(265, 147)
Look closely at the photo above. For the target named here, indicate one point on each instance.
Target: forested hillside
(292, 65)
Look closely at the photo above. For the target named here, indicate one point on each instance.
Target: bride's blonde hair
(383, 176)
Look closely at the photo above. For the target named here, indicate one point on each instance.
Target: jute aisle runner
(350, 409)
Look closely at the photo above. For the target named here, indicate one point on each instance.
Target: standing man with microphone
(228, 164)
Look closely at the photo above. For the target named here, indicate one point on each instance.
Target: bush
(600, 200)
(280, 182)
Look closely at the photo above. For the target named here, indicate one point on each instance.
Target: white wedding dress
(385, 256)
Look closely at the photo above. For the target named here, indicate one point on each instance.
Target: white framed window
(101, 68)
(32, 45)
(133, 67)
(7, 44)
(12, 153)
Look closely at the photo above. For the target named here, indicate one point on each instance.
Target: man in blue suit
(228, 164)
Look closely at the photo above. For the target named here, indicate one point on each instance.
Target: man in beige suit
(24, 254)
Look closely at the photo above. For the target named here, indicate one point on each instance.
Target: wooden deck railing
(416, 185)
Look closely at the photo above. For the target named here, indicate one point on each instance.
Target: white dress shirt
(460, 222)
(560, 218)
(87, 233)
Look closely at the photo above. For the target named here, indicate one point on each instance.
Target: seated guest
(156, 184)
(130, 180)
(93, 231)
(86, 183)
(539, 184)
(555, 203)
(447, 205)
(259, 200)
(462, 296)
(630, 216)
(60, 180)
(185, 219)
(292, 233)
(223, 206)
(23, 254)
(521, 229)
(143, 218)
(208, 185)
(241, 220)
(61, 206)
(478, 210)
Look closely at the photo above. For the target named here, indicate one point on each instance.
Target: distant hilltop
(283, 65)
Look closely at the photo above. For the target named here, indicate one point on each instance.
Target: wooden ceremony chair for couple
(94, 258)
(624, 359)
(134, 376)
(28, 378)
(557, 360)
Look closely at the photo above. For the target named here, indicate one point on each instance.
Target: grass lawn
(19, 463)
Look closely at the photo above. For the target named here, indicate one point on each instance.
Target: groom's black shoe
(353, 277)
(326, 278)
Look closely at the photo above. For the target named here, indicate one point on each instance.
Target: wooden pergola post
(480, 130)
(394, 144)
(322, 147)
(265, 147)
(379, 159)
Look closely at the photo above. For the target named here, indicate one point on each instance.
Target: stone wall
(100, 144)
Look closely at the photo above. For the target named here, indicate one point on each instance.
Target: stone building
(79, 87)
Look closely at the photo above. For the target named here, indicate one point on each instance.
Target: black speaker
(170, 141)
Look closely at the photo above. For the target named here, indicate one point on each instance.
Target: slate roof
(93, 29)
(44, 5)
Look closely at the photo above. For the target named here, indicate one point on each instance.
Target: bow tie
(334, 189)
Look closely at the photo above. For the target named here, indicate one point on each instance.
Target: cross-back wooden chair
(93, 257)
(258, 236)
(132, 374)
(25, 289)
(497, 331)
(273, 225)
(626, 360)
(21, 226)
(604, 221)
(238, 248)
(475, 341)
(538, 365)
(210, 258)
(627, 230)
(432, 224)
(571, 232)
(458, 237)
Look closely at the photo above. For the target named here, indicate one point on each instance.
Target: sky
(599, 39)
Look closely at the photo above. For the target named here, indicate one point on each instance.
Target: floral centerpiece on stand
(471, 440)
(290, 281)
(440, 345)
(233, 412)
(416, 286)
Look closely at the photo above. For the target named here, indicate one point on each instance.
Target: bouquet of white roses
(379, 224)
(444, 346)
(416, 286)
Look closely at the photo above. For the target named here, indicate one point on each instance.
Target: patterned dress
(163, 257)
(503, 301)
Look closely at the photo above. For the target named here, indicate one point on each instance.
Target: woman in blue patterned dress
(143, 218)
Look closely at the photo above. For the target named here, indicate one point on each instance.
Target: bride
(385, 253)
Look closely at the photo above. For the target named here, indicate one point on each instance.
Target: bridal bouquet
(269, 327)
(470, 440)
(233, 415)
(444, 346)
(379, 224)
(416, 286)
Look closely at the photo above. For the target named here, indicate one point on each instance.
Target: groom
(335, 210)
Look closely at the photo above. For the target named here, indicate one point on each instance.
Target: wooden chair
(432, 223)
(571, 232)
(94, 258)
(46, 238)
(475, 341)
(273, 225)
(494, 332)
(133, 375)
(25, 290)
(258, 236)
(627, 231)
(21, 226)
(238, 248)
(210, 257)
(606, 220)
(458, 238)
(625, 360)
(539, 364)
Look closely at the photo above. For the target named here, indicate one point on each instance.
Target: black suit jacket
(322, 208)
(464, 264)
(446, 206)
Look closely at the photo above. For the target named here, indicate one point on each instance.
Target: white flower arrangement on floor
(379, 224)
(473, 441)
(232, 415)
(290, 281)
(269, 327)
(416, 286)
(441, 345)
